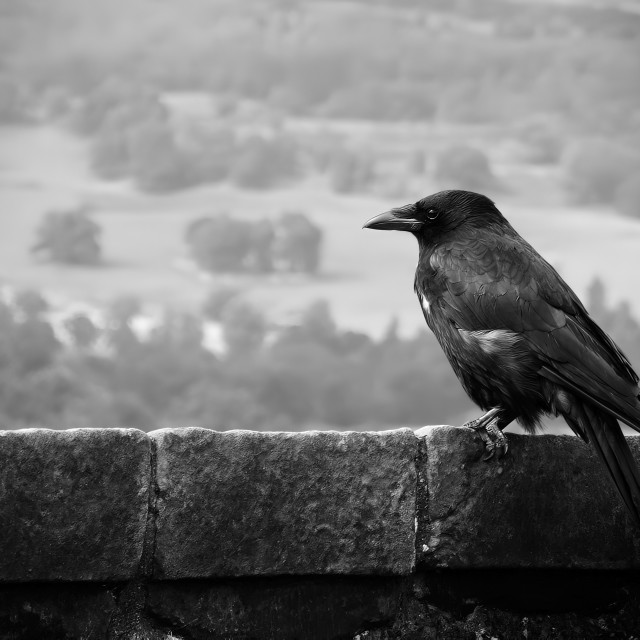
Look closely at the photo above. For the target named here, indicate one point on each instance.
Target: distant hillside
(494, 61)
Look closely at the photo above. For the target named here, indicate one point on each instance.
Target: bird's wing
(498, 282)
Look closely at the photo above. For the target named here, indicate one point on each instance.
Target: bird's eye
(432, 214)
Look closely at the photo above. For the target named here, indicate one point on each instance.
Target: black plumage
(518, 338)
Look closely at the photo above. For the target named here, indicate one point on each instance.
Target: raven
(518, 338)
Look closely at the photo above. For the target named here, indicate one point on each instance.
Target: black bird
(518, 338)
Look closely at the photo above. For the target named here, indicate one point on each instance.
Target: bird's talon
(500, 441)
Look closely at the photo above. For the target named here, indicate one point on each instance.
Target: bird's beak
(400, 219)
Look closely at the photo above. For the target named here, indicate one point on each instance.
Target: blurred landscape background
(183, 185)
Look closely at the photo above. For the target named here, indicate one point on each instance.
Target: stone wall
(191, 533)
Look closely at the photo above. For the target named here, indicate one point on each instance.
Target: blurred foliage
(82, 330)
(219, 243)
(217, 300)
(556, 74)
(31, 304)
(297, 243)
(262, 162)
(462, 167)
(627, 195)
(222, 243)
(244, 328)
(595, 168)
(14, 101)
(70, 236)
(133, 135)
(543, 139)
(308, 374)
(350, 172)
(458, 61)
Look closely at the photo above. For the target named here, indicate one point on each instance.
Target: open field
(366, 276)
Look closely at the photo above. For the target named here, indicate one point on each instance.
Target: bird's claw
(500, 442)
(495, 442)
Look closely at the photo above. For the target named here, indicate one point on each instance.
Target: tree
(157, 162)
(317, 324)
(464, 167)
(219, 243)
(297, 243)
(261, 238)
(34, 345)
(82, 330)
(208, 152)
(120, 314)
(349, 172)
(70, 237)
(95, 107)
(261, 162)
(182, 330)
(244, 328)
(32, 304)
(110, 157)
(118, 101)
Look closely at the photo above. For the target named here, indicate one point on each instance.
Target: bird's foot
(495, 442)
(498, 445)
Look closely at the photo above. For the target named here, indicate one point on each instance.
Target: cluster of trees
(291, 243)
(69, 236)
(454, 61)
(221, 243)
(303, 376)
(134, 136)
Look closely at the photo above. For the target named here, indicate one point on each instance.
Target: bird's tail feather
(605, 434)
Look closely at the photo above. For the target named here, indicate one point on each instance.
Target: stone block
(243, 503)
(548, 504)
(313, 608)
(73, 504)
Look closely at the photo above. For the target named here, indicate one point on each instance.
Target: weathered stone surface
(249, 503)
(313, 608)
(464, 614)
(549, 503)
(73, 504)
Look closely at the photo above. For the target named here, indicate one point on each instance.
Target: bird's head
(437, 214)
